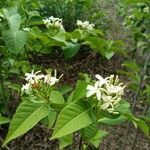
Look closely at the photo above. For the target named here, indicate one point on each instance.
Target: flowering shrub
(84, 110)
(92, 102)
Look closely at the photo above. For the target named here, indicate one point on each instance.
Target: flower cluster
(108, 92)
(53, 22)
(85, 25)
(33, 80)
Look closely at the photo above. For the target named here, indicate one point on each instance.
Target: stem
(80, 143)
(137, 97)
(2, 89)
(27, 54)
(141, 80)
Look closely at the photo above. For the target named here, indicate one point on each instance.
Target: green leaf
(56, 97)
(98, 138)
(132, 65)
(50, 119)
(28, 114)
(139, 122)
(4, 120)
(72, 118)
(109, 55)
(14, 22)
(71, 50)
(58, 40)
(64, 89)
(99, 44)
(89, 132)
(114, 121)
(65, 141)
(35, 20)
(14, 40)
(13, 18)
(79, 92)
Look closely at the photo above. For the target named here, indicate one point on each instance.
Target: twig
(2, 87)
(80, 143)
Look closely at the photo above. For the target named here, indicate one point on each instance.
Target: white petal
(90, 87)
(104, 98)
(90, 93)
(98, 95)
(99, 77)
(96, 85)
(105, 106)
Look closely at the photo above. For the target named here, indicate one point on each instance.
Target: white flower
(27, 88)
(33, 77)
(111, 89)
(107, 102)
(108, 91)
(101, 80)
(110, 102)
(26, 29)
(51, 80)
(113, 86)
(85, 25)
(96, 89)
(53, 22)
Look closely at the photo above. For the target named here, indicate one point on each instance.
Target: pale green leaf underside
(14, 22)
(14, 40)
(72, 118)
(27, 115)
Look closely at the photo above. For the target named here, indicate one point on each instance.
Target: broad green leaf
(14, 22)
(56, 97)
(71, 50)
(58, 39)
(124, 110)
(98, 138)
(65, 141)
(13, 18)
(50, 119)
(28, 114)
(52, 41)
(132, 65)
(72, 118)
(139, 123)
(114, 121)
(99, 44)
(4, 120)
(57, 107)
(14, 40)
(35, 20)
(89, 132)
(123, 106)
(64, 89)
(79, 92)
